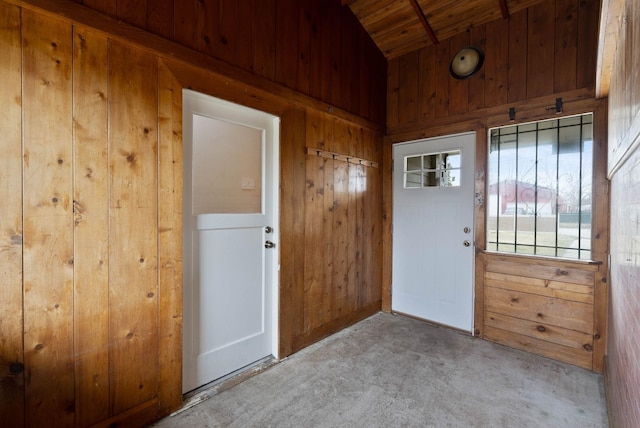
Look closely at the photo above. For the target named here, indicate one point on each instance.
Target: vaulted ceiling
(401, 26)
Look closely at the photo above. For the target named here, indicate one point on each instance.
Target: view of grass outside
(526, 241)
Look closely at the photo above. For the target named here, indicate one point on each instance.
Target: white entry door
(433, 213)
(230, 253)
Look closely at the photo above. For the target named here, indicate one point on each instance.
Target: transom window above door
(440, 169)
(539, 191)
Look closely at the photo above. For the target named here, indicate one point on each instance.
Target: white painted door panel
(432, 267)
(229, 277)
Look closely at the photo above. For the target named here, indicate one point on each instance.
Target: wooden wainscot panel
(578, 356)
(541, 305)
(546, 332)
(563, 271)
(562, 313)
(543, 287)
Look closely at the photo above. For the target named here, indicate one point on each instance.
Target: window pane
(414, 163)
(539, 193)
(431, 179)
(412, 179)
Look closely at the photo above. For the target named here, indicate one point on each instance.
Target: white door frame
(193, 102)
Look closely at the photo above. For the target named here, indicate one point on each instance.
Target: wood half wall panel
(91, 227)
(48, 221)
(11, 236)
(133, 257)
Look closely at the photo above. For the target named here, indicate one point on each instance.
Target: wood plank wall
(91, 234)
(623, 350)
(314, 47)
(546, 51)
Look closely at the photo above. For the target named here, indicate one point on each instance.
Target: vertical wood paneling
(518, 43)
(246, 37)
(340, 212)
(292, 227)
(477, 37)
(265, 38)
(314, 226)
(588, 13)
(108, 7)
(185, 22)
(304, 46)
(326, 242)
(334, 39)
(353, 248)
(393, 82)
(374, 236)
(442, 60)
(360, 213)
(226, 42)
(11, 347)
(48, 222)
(207, 26)
(427, 83)
(286, 52)
(160, 18)
(540, 49)
(102, 129)
(409, 67)
(133, 278)
(566, 45)
(133, 12)
(91, 233)
(170, 240)
(346, 61)
(315, 46)
(495, 64)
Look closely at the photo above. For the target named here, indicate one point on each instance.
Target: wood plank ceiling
(401, 26)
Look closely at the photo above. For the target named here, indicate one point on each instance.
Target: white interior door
(433, 213)
(230, 218)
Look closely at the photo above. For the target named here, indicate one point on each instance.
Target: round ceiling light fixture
(466, 62)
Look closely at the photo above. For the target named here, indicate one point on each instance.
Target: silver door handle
(269, 244)
(467, 243)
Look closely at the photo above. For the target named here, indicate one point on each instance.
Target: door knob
(268, 229)
(467, 229)
(269, 244)
(467, 243)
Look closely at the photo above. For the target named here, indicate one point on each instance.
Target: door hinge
(393, 163)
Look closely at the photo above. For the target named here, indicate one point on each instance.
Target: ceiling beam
(425, 23)
(504, 8)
